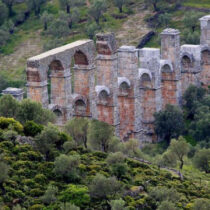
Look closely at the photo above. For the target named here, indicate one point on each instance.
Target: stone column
(205, 30)
(106, 62)
(149, 91)
(205, 51)
(37, 89)
(171, 81)
(127, 85)
(84, 80)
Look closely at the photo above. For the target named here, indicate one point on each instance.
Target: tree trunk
(37, 11)
(70, 24)
(97, 21)
(181, 165)
(68, 9)
(155, 7)
(2, 188)
(85, 143)
(10, 10)
(45, 26)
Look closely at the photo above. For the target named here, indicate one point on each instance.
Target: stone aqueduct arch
(122, 87)
(58, 62)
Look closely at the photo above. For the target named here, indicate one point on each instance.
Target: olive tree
(202, 160)
(46, 18)
(78, 129)
(8, 106)
(32, 111)
(100, 135)
(102, 187)
(9, 4)
(46, 141)
(3, 12)
(179, 148)
(97, 9)
(119, 4)
(67, 167)
(169, 123)
(35, 5)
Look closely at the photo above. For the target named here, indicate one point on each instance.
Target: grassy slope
(28, 41)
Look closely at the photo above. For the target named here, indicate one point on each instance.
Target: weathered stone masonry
(123, 87)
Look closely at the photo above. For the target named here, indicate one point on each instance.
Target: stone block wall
(123, 87)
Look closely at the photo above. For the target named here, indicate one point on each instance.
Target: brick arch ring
(166, 63)
(122, 80)
(144, 71)
(54, 107)
(78, 97)
(101, 88)
(190, 56)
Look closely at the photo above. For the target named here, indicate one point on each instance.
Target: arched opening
(57, 112)
(186, 63)
(53, 73)
(80, 58)
(145, 81)
(124, 88)
(80, 77)
(56, 66)
(80, 107)
(59, 116)
(103, 96)
(166, 68)
(205, 58)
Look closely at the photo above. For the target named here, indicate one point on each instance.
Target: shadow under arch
(80, 58)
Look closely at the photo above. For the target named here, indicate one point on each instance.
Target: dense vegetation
(84, 166)
(58, 22)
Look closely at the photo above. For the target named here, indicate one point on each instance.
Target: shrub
(36, 207)
(118, 204)
(8, 106)
(41, 179)
(202, 160)
(115, 158)
(33, 111)
(50, 195)
(162, 193)
(32, 129)
(10, 123)
(102, 187)
(76, 194)
(166, 205)
(201, 204)
(67, 167)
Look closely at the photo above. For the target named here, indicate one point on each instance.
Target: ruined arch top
(144, 71)
(122, 80)
(101, 88)
(64, 55)
(164, 63)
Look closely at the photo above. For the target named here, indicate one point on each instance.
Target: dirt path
(133, 29)
(88, 3)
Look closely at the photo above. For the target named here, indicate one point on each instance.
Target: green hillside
(25, 35)
(88, 179)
